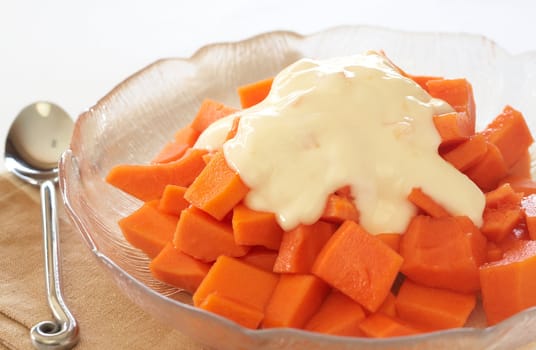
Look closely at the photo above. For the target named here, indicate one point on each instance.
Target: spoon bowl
(35, 142)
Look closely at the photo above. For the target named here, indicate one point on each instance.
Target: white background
(73, 52)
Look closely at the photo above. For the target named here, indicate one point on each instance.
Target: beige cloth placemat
(108, 320)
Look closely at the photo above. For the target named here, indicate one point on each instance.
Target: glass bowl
(136, 118)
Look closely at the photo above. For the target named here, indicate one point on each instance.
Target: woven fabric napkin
(107, 319)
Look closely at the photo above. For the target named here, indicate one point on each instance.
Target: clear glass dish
(136, 118)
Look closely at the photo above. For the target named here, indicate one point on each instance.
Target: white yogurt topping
(344, 121)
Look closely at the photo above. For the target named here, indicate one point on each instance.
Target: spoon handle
(62, 332)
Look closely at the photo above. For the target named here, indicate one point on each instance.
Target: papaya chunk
(178, 269)
(195, 228)
(253, 93)
(294, 301)
(172, 201)
(217, 189)
(468, 153)
(232, 309)
(491, 168)
(147, 182)
(459, 94)
(452, 127)
(338, 315)
(379, 325)
(358, 264)
(300, 247)
(261, 257)
(208, 113)
(508, 285)
(427, 204)
(170, 152)
(443, 253)
(340, 208)
(148, 229)
(238, 281)
(252, 227)
(502, 212)
(433, 308)
(510, 133)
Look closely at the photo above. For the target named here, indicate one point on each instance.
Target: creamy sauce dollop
(344, 121)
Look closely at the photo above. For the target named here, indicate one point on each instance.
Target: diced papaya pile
(333, 276)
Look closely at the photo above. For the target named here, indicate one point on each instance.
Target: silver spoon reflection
(36, 140)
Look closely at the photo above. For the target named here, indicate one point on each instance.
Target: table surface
(73, 53)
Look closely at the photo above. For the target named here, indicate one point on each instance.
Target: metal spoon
(36, 140)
